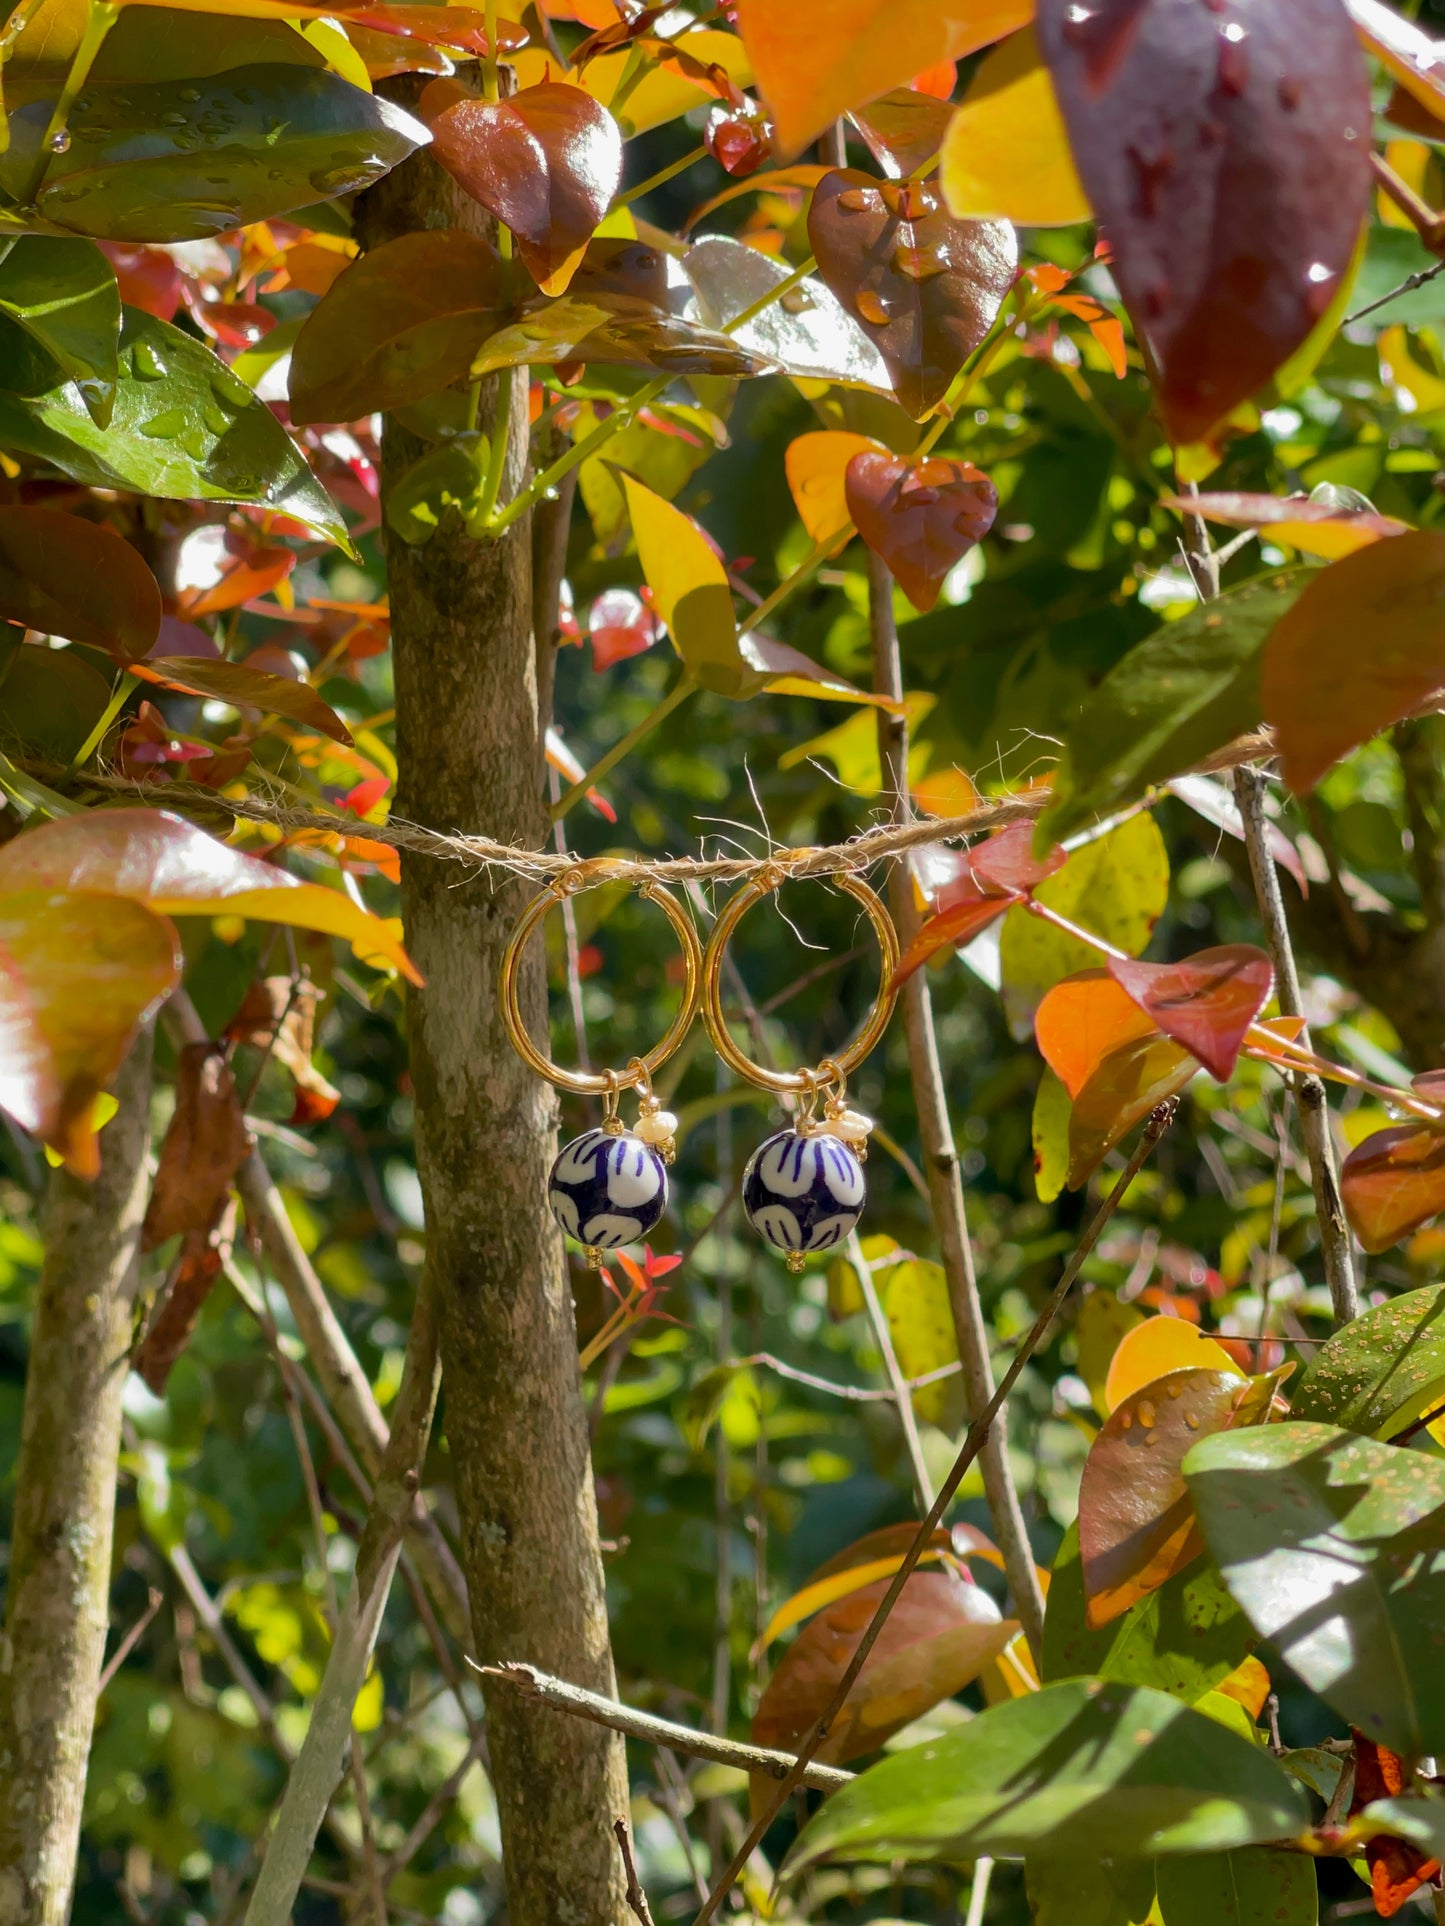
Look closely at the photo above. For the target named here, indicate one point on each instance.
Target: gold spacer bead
(795, 1261)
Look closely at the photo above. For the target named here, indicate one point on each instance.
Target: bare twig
(132, 1638)
(935, 1129)
(636, 1897)
(563, 1697)
(973, 1443)
(1407, 286)
(431, 1814)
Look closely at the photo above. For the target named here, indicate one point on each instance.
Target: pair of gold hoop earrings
(803, 1189)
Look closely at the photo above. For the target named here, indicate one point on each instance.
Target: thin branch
(430, 1816)
(900, 1396)
(1407, 286)
(935, 1129)
(582, 1704)
(132, 1638)
(636, 1897)
(973, 1443)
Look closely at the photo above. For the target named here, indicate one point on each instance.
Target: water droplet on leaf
(59, 142)
(871, 306)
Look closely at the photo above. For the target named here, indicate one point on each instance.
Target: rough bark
(56, 1601)
(469, 751)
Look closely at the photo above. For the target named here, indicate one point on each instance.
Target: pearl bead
(853, 1127)
(656, 1126)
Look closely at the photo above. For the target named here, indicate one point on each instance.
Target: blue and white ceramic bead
(607, 1189)
(803, 1193)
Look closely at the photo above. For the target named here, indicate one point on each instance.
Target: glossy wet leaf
(991, 877)
(1156, 1346)
(1405, 50)
(1333, 1546)
(938, 1638)
(1381, 1372)
(1078, 1767)
(79, 973)
(1185, 1637)
(1228, 159)
(925, 287)
(1256, 1886)
(1206, 1001)
(1131, 1081)
(67, 576)
(922, 517)
(153, 857)
(183, 427)
(1178, 695)
(807, 331)
(1006, 155)
(810, 74)
(662, 93)
(816, 464)
(1392, 1183)
(1116, 887)
(546, 162)
(1321, 691)
(59, 320)
(1083, 1020)
(1314, 528)
(689, 587)
(903, 129)
(246, 688)
(402, 322)
(1136, 1524)
(169, 161)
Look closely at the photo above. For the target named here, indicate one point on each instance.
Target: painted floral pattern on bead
(606, 1191)
(803, 1193)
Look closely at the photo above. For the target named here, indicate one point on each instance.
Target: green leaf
(1187, 689)
(447, 476)
(50, 699)
(1421, 1821)
(1117, 887)
(1382, 1372)
(1052, 1110)
(1332, 1545)
(169, 161)
(920, 1318)
(61, 310)
(1254, 1887)
(183, 427)
(1089, 1892)
(1080, 1767)
(1182, 1639)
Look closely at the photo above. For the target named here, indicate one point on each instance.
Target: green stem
(656, 180)
(99, 21)
(804, 572)
(631, 74)
(795, 279)
(579, 451)
(489, 59)
(682, 689)
(112, 709)
(497, 457)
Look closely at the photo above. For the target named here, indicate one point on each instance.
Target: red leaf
(70, 577)
(992, 877)
(904, 129)
(620, 626)
(205, 1145)
(737, 138)
(1226, 152)
(1397, 1868)
(1007, 860)
(1083, 1020)
(245, 688)
(235, 324)
(249, 577)
(925, 286)
(148, 277)
(1392, 1183)
(920, 516)
(1207, 1002)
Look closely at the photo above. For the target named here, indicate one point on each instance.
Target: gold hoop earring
(804, 1190)
(608, 1187)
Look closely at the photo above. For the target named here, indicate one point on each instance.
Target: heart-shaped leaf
(807, 331)
(160, 161)
(809, 72)
(1228, 158)
(184, 427)
(903, 130)
(546, 162)
(174, 868)
(1136, 1522)
(1314, 528)
(921, 516)
(1185, 1637)
(1332, 1544)
(1206, 1002)
(402, 322)
(1392, 1183)
(990, 878)
(65, 576)
(816, 465)
(1006, 155)
(1083, 1020)
(61, 309)
(79, 973)
(1157, 1346)
(926, 287)
(1129, 1083)
(1380, 1373)
(1100, 1770)
(1323, 693)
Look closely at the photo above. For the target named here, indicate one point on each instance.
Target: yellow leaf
(852, 746)
(1249, 1683)
(689, 587)
(816, 464)
(836, 1585)
(1410, 159)
(1159, 1345)
(662, 94)
(1400, 367)
(1006, 155)
(370, 1704)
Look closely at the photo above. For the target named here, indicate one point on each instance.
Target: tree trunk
(469, 753)
(56, 1601)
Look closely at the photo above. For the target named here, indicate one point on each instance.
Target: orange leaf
(252, 576)
(1248, 1685)
(1081, 1021)
(1322, 690)
(205, 1145)
(811, 69)
(1159, 1345)
(1207, 1002)
(1392, 1183)
(1397, 1868)
(920, 516)
(1127, 1085)
(816, 465)
(244, 688)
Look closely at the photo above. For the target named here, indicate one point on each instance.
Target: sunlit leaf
(402, 322)
(1394, 1182)
(1256, 1886)
(246, 577)
(903, 129)
(925, 287)
(66, 576)
(1207, 1001)
(1006, 155)
(1381, 1372)
(1049, 1137)
(59, 320)
(808, 76)
(1083, 1020)
(1155, 1347)
(1130, 1082)
(1405, 51)
(689, 587)
(1321, 691)
(1332, 1545)
(1231, 173)
(174, 868)
(919, 1310)
(921, 516)
(1314, 528)
(660, 93)
(877, 1555)
(1111, 1771)
(816, 464)
(807, 331)
(992, 876)
(1104, 1321)
(245, 688)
